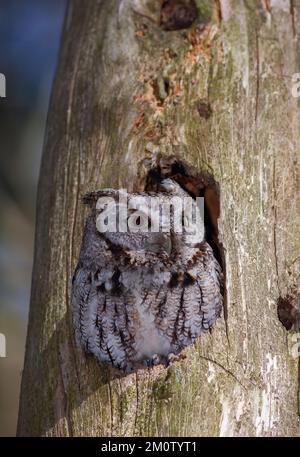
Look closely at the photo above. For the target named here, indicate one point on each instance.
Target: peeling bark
(104, 117)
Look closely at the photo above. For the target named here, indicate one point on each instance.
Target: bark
(123, 88)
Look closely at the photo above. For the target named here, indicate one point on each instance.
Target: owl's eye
(138, 222)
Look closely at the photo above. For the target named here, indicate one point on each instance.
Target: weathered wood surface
(109, 102)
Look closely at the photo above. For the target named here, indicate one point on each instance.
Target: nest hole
(177, 14)
(196, 183)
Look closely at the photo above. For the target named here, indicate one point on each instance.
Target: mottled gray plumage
(139, 298)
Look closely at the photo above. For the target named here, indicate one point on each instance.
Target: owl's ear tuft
(91, 198)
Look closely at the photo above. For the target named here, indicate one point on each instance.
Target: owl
(147, 284)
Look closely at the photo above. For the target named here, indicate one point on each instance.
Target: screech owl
(140, 297)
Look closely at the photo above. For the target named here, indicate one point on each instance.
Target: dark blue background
(29, 41)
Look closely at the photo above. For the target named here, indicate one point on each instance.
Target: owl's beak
(159, 242)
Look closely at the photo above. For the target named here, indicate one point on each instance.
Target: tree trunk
(220, 97)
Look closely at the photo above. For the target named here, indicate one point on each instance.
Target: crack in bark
(275, 225)
(137, 401)
(68, 264)
(292, 12)
(110, 408)
(225, 303)
(267, 5)
(121, 397)
(217, 12)
(257, 74)
(151, 403)
(63, 397)
(223, 368)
